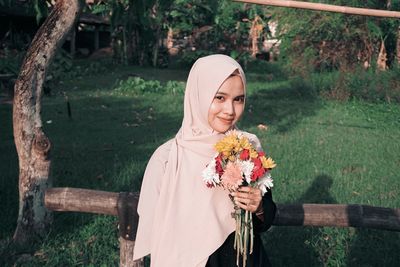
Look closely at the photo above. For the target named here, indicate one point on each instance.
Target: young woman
(181, 221)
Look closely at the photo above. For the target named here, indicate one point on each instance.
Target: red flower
(218, 165)
(258, 170)
(260, 153)
(209, 185)
(245, 154)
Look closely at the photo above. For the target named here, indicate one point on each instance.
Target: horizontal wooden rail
(335, 215)
(326, 7)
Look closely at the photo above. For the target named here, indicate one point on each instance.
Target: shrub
(369, 85)
(139, 86)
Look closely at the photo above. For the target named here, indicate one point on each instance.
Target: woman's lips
(226, 121)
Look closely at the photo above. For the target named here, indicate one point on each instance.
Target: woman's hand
(248, 198)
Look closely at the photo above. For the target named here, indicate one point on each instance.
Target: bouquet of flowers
(237, 163)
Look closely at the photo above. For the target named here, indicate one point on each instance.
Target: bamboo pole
(335, 215)
(326, 7)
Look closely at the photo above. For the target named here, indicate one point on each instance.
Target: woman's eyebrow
(221, 93)
(225, 94)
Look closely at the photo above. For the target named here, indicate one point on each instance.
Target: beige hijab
(181, 221)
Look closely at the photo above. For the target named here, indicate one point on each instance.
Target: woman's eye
(240, 99)
(219, 97)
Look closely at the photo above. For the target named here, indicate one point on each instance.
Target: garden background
(319, 97)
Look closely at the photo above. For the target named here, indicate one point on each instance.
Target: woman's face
(227, 105)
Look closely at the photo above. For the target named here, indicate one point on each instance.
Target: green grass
(327, 152)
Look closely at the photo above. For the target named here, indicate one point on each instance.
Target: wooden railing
(124, 206)
(325, 7)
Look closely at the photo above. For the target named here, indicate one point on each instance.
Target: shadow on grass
(108, 147)
(371, 247)
(104, 146)
(329, 246)
(282, 106)
(293, 246)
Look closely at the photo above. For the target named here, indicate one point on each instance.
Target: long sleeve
(269, 208)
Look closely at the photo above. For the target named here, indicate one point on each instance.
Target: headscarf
(181, 221)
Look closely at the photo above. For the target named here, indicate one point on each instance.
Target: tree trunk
(398, 46)
(382, 57)
(33, 146)
(170, 38)
(156, 47)
(255, 31)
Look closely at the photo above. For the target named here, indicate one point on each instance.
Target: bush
(138, 86)
(370, 85)
(189, 57)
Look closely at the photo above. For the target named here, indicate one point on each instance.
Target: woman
(181, 221)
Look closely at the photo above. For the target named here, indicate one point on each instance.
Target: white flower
(238, 134)
(247, 168)
(210, 177)
(265, 183)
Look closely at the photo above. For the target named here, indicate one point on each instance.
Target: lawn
(326, 151)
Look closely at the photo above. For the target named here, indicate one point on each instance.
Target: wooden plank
(326, 7)
(334, 215)
(338, 215)
(81, 200)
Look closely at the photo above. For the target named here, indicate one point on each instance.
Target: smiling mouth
(226, 121)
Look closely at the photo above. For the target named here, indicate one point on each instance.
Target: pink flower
(232, 177)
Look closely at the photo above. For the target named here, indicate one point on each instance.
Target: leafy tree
(335, 41)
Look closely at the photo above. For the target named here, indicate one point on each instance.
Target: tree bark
(33, 146)
(126, 254)
(255, 30)
(382, 57)
(398, 46)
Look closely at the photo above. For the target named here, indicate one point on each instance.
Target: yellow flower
(244, 143)
(229, 145)
(253, 153)
(267, 163)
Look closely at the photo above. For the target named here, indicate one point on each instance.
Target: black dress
(225, 255)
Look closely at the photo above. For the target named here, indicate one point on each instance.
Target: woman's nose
(229, 108)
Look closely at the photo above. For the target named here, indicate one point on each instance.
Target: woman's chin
(223, 129)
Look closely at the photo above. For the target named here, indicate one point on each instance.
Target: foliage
(229, 24)
(41, 9)
(63, 67)
(139, 86)
(189, 57)
(329, 41)
(140, 26)
(10, 62)
(368, 85)
(185, 15)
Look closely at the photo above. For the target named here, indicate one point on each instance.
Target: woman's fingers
(247, 198)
